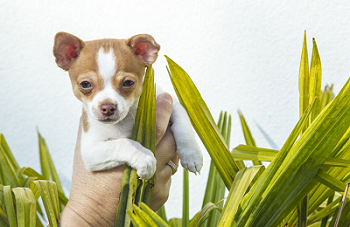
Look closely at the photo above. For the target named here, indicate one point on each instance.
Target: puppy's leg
(108, 154)
(187, 147)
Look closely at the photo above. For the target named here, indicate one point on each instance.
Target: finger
(165, 150)
(160, 192)
(164, 105)
(160, 195)
(167, 171)
(176, 159)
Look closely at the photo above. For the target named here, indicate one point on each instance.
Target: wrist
(88, 212)
(94, 198)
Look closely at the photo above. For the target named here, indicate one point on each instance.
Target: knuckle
(160, 129)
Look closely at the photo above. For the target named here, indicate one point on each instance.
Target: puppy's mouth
(109, 119)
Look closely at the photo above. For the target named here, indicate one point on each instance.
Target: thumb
(164, 107)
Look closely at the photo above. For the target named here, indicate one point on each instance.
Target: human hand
(94, 196)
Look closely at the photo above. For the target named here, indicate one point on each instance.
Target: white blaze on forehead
(106, 63)
(107, 67)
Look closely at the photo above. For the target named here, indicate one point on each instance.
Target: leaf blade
(202, 121)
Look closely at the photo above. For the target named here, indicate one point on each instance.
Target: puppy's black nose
(108, 109)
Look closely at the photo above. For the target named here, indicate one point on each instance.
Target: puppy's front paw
(146, 165)
(191, 159)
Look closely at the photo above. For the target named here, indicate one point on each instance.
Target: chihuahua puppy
(107, 77)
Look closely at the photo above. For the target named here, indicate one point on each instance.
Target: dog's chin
(109, 120)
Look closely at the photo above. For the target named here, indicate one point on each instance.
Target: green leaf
(44, 164)
(185, 200)
(321, 192)
(341, 211)
(33, 175)
(224, 125)
(303, 211)
(9, 204)
(337, 162)
(292, 178)
(126, 199)
(215, 191)
(331, 182)
(8, 165)
(161, 213)
(326, 218)
(49, 196)
(215, 188)
(49, 171)
(325, 212)
(145, 116)
(30, 173)
(25, 207)
(202, 122)
(304, 79)
(136, 220)
(201, 216)
(326, 96)
(6, 149)
(144, 216)
(248, 135)
(133, 190)
(315, 80)
(243, 180)
(157, 219)
(246, 152)
(175, 222)
(3, 218)
(144, 130)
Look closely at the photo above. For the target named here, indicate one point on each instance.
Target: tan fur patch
(85, 121)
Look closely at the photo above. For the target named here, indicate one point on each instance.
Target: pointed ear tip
(67, 36)
(58, 34)
(62, 35)
(143, 37)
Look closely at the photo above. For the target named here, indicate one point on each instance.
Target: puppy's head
(106, 74)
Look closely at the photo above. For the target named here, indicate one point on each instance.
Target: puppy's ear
(66, 49)
(144, 48)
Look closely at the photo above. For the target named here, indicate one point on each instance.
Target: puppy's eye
(128, 83)
(85, 85)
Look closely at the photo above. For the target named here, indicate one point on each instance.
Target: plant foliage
(305, 184)
(134, 190)
(20, 189)
(312, 165)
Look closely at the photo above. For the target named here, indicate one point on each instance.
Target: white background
(241, 55)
